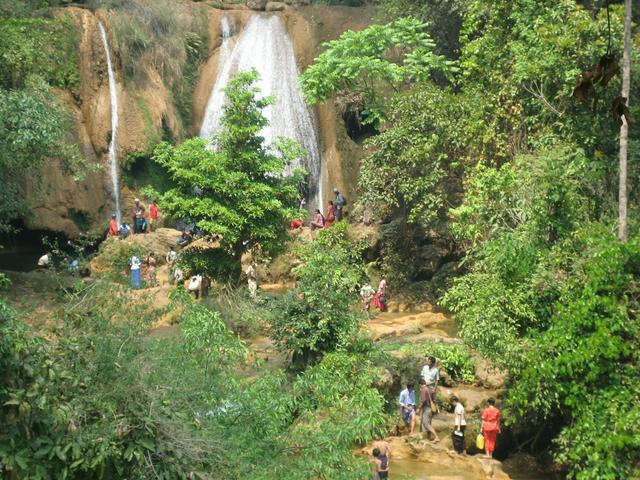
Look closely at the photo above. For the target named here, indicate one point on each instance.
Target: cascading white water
(213, 112)
(265, 45)
(113, 156)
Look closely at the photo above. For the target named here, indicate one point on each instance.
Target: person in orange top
(113, 226)
(490, 426)
(153, 213)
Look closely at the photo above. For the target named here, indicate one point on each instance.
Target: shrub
(452, 358)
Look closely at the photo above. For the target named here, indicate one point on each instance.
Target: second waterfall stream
(266, 46)
(113, 143)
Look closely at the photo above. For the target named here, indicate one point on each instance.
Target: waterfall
(113, 157)
(213, 112)
(265, 45)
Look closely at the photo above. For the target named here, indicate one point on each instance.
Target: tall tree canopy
(237, 188)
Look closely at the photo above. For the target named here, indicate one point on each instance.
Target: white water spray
(113, 157)
(265, 45)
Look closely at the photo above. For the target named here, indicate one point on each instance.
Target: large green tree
(236, 187)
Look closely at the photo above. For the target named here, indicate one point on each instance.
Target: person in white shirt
(459, 425)
(408, 404)
(366, 296)
(194, 285)
(136, 280)
(431, 375)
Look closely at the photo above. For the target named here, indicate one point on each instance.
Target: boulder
(257, 4)
(276, 7)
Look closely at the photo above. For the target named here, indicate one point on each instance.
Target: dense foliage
(235, 190)
(315, 317)
(365, 65)
(525, 174)
(35, 55)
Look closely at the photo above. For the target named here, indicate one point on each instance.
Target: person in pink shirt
(331, 215)
(318, 221)
(153, 214)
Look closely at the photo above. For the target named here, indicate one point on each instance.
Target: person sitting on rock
(184, 239)
(318, 221)
(408, 404)
(125, 230)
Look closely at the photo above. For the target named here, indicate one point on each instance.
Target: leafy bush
(315, 317)
(44, 48)
(236, 191)
(115, 255)
(452, 358)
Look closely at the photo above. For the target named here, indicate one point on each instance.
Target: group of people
(140, 222)
(335, 213)
(427, 407)
(379, 297)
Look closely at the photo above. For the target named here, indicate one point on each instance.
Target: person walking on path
(151, 269)
(490, 426)
(331, 215)
(408, 404)
(431, 375)
(113, 226)
(339, 204)
(380, 298)
(153, 216)
(426, 414)
(366, 296)
(252, 279)
(459, 425)
(135, 272)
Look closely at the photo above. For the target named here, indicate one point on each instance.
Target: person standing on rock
(153, 216)
(151, 269)
(408, 404)
(171, 258)
(366, 296)
(381, 465)
(138, 215)
(431, 375)
(339, 204)
(490, 426)
(113, 226)
(252, 279)
(331, 215)
(459, 425)
(135, 272)
(426, 414)
(380, 298)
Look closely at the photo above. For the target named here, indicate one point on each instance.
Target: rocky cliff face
(61, 204)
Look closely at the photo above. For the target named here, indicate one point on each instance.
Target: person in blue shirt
(408, 404)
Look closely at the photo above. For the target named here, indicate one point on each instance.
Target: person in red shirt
(490, 426)
(113, 226)
(153, 214)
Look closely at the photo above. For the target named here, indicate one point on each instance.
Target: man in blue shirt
(408, 404)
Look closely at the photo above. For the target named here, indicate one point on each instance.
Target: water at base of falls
(265, 45)
(113, 95)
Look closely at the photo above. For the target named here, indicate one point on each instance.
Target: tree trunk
(624, 129)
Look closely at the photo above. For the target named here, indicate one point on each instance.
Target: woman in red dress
(490, 427)
(331, 215)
